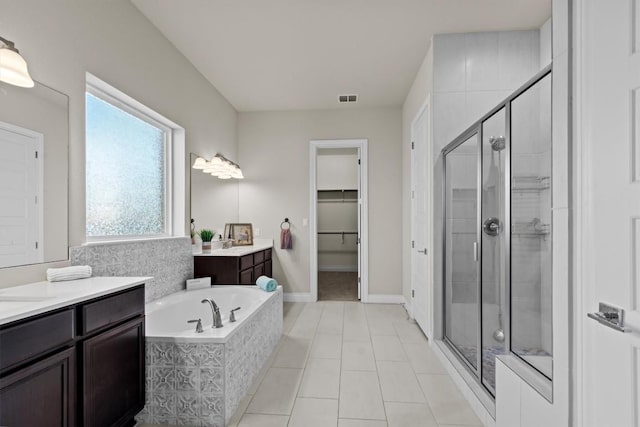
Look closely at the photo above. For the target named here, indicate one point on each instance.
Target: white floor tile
(332, 318)
(445, 400)
(277, 392)
(422, 358)
(293, 353)
(409, 415)
(321, 379)
(409, 332)
(357, 356)
(399, 383)
(327, 346)
(388, 347)
(308, 412)
(360, 396)
(261, 420)
(347, 422)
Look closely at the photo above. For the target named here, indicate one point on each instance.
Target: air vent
(347, 98)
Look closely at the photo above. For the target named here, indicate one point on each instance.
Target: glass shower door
(494, 232)
(461, 250)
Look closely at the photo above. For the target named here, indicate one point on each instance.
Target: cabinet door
(113, 375)
(246, 277)
(42, 394)
(258, 271)
(268, 271)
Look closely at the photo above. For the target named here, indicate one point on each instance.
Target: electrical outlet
(305, 222)
(256, 232)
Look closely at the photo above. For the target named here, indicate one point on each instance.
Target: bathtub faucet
(217, 320)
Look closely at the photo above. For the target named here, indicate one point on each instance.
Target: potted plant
(206, 236)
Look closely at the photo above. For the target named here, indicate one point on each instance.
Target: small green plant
(206, 235)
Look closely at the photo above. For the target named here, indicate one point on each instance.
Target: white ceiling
(300, 54)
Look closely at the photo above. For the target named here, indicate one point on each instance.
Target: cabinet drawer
(246, 262)
(258, 257)
(267, 254)
(35, 337)
(110, 310)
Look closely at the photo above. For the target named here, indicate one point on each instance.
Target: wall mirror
(214, 201)
(34, 146)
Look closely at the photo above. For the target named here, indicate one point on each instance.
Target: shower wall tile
(479, 103)
(450, 69)
(169, 261)
(518, 57)
(446, 106)
(483, 68)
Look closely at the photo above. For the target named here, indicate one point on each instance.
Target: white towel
(68, 273)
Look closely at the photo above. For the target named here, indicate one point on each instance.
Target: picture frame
(241, 234)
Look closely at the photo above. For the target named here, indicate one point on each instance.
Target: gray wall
(61, 40)
(274, 150)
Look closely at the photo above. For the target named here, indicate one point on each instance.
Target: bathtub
(199, 379)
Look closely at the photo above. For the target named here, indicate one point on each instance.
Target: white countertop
(258, 245)
(20, 302)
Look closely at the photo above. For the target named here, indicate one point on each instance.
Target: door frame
(426, 106)
(363, 247)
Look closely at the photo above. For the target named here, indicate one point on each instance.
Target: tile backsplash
(169, 261)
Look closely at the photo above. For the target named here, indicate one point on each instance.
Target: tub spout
(217, 320)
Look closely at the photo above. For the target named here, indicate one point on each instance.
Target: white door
(20, 196)
(608, 209)
(420, 183)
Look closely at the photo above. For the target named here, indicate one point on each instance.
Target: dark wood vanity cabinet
(234, 270)
(82, 365)
(111, 359)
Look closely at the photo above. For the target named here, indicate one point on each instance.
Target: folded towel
(267, 283)
(286, 239)
(68, 273)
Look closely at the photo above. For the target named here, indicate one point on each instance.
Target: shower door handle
(475, 251)
(423, 251)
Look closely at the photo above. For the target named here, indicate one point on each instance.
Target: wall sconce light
(219, 166)
(13, 67)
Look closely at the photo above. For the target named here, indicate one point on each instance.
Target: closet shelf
(337, 196)
(533, 228)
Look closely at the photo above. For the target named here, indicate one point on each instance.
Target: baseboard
(408, 307)
(385, 299)
(341, 268)
(298, 297)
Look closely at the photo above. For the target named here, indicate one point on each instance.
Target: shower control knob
(491, 226)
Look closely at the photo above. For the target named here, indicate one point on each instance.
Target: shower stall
(497, 236)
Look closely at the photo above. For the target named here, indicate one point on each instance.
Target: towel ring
(285, 222)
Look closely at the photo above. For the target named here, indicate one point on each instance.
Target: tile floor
(348, 364)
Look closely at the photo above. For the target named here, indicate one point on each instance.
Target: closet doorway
(338, 220)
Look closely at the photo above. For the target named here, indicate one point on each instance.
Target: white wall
(273, 149)
(62, 40)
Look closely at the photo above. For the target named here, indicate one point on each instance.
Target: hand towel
(286, 239)
(68, 273)
(267, 284)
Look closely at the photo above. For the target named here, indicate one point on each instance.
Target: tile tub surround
(203, 384)
(168, 260)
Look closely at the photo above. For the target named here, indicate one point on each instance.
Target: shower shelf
(532, 228)
(530, 183)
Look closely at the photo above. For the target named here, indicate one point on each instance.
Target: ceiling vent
(345, 99)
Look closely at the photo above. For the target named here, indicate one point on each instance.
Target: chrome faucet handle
(198, 326)
(232, 316)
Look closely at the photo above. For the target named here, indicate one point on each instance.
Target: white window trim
(174, 151)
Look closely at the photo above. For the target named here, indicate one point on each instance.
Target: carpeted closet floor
(337, 286)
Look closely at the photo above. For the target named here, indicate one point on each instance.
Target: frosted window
(126, 177)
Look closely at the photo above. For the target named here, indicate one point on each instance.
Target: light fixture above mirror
(218, 166)
(13, 67)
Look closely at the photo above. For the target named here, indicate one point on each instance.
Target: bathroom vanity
(240, 265)
(72, 353)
